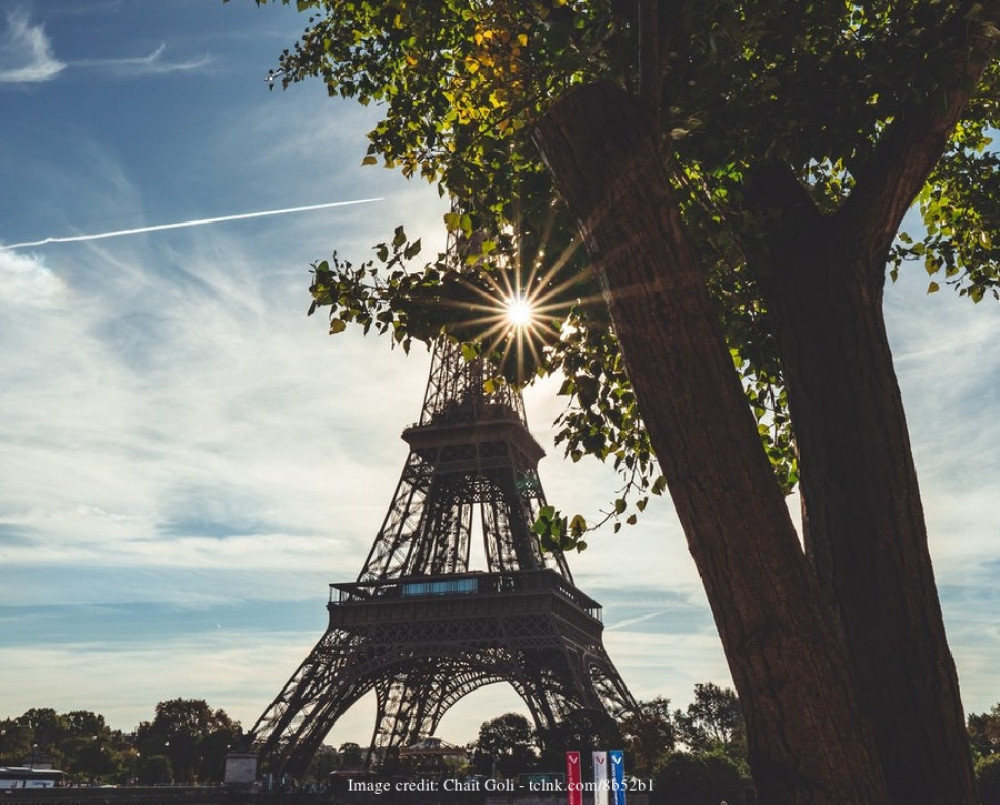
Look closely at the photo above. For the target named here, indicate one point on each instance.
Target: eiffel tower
(422, 630)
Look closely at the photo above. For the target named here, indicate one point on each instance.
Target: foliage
(187, 741)
(154, 770)
(78, 742)
(351, 755)
(702, 778)
(583, 730)
(96, 757)
(506, 744)
(713, 722)
(648, 733)
(745, 163)
(16, 739)
(326, 760)
(739, 85)
(984, 732)
(988, 779)
(192, 735)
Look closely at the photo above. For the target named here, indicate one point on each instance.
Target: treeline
(984, 732)
(697, 756)
(186, 742)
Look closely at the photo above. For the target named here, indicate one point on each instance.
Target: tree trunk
(808, 741)
(865, 531)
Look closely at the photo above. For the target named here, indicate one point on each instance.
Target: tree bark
(808, 740)
(866, 534)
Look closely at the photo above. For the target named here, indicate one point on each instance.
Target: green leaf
(412, 250)
(587, 389)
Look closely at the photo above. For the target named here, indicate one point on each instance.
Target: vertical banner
(574, 789)
(616, 760)
(600, 778)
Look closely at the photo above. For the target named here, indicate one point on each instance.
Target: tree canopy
(741, 92)
(193, 737)
(702, 201)
(505, 744)
(713, 721)
(648, 733)
(187, 741)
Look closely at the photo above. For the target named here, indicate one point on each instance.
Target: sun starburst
(520, 313)
(518, 301)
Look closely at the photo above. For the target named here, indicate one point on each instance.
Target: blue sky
(187, 460)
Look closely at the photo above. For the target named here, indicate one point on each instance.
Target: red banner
(574, 788)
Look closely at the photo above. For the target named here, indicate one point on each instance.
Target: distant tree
(327, 759)
(984, 732)
(700, 778)
(648, 733)
(84, 724)
(15, 742)
(988, 779)
(90, 749)
(47, 728)
(93, 759)
(195, 737)
(154, 770)
(508, 742)
(79, 742)
(714, 720)
(351, 756)
(585, 731)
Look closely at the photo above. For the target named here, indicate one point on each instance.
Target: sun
(519, 312)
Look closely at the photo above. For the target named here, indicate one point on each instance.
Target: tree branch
(913, 143)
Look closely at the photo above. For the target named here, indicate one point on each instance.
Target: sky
(187, 460)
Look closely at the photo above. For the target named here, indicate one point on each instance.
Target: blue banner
(616, 761)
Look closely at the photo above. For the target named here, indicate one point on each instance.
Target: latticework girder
(422, 631)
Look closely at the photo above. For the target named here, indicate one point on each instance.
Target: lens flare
(519, 312)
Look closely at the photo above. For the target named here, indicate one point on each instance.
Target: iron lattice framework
(417, 626)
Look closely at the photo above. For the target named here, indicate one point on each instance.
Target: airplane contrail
(184, 224)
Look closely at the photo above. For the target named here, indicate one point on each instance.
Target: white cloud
(167, 404)
(26, 52)
(151, 64)
(949, 373)
(237, 671)
(175, 431)
(26, 281)
(26, 57)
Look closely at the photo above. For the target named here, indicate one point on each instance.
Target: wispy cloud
(151, 64)
(27, 57)
(26, 52)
